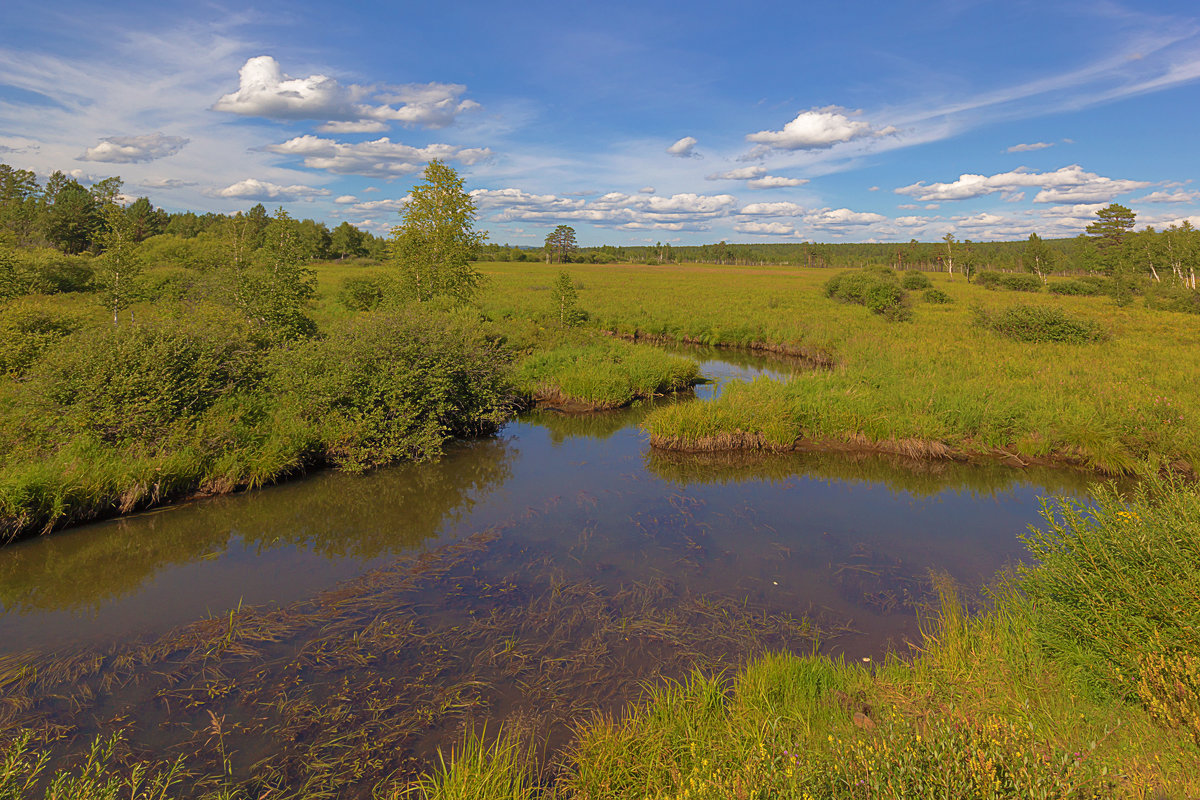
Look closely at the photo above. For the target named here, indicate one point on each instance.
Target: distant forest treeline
(73, 219)
(902, 256)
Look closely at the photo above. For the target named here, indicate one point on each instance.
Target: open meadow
(936, 385)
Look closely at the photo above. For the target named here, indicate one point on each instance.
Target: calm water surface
(562, 558)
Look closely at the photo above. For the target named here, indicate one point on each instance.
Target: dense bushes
(134, 382)
(877, 289)
(915, 281)
(937, 297)
(1040, 324)
(1173, 297)
(1014, 282)
(115, 418)
(395, 386)
(1075, 287)
(361, 293)
(27, 329)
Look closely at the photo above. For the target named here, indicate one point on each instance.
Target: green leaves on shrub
(937, 297)
(914, 280)
(359, 293)
(1173, 297)
(134, 382)
(877, 289)
(1075, 288)
(395, 386)
(1014, 282)
(28, 329)
(1025, 323)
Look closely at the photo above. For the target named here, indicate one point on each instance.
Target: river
(348, 625)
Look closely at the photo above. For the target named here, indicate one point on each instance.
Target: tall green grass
(603, 374)
(937, 380)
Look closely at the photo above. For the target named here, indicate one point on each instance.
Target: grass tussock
(603, 374)
(1037, 324)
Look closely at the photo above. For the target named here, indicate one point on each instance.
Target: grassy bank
(938, 385)
(110, 420)
(1080, 682)
(602, 374)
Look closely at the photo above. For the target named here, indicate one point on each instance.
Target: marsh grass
(1038, 324)
(935, 380)
(603, 374)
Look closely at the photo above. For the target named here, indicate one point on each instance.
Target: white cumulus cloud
(1025, 148)
(774, 182)
(613, 210)
(739, 174)
(352, 126)
(768, 228)
(817, 129)
(264, 90)
(782, 209)
(254, 189)
(378, 158)
(684, 148)
(1177, 196)
(134, 149)
(1070, 184)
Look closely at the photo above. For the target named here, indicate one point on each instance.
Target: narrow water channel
(528, 578)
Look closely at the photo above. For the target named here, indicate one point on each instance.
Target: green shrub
(1040, 324)
(28, 329)
(937, 297)
(876, 288)
(1115, 586)
(1012, 281)
(914, 281)
(63, 273)
(1173, 297)
(392, 386)
(172, 284)
(1074, 287)
(136, 381)
(360, 293)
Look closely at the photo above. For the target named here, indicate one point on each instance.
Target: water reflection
(160, 568)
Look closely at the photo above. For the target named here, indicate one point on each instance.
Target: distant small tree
(949, 240)
(560, 244)
(434, 245)
(346, 241)
(1037, 257)
(120, 266)
(969, 259)
(566, 301)
(275, 289)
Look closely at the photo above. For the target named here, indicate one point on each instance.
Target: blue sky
(632, 122)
